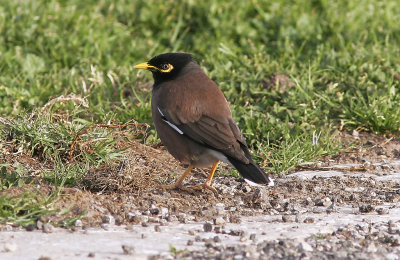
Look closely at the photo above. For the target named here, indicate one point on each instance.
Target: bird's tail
(251, 171)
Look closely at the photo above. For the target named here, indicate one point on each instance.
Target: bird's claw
(205, 186)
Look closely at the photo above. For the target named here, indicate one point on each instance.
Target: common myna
(193, 119)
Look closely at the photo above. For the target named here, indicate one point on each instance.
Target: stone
(207, 227)
(157, 228)
(78, 223)
(30, 227)
(10, 247)
(305, 247)
(108, 219)
(219, 221)
(48, 228)
(128, 250)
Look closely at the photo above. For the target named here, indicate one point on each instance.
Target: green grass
(341, 56)
(26, 208)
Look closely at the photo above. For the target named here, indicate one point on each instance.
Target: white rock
(304, 246)
(371, 248)
(10, 247)
(164, 211)
(219, 221)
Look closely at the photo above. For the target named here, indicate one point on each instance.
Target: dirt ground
(129, 194)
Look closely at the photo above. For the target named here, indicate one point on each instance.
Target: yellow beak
(144, 66)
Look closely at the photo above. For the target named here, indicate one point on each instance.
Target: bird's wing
(202, 113)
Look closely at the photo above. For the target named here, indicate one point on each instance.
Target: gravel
(332, 215)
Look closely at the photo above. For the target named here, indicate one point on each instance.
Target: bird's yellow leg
(207, 183)
(178, 184)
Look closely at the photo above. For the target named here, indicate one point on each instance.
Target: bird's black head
(166, 66)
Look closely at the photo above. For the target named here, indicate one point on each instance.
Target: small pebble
(371, 248)
(326, 202)
(108, 219)
(235, 219)
(219, 221)
(48, 228)
(253, 237)
(131, 217)
(366, 208)
(142, 218)
(143, 236)
(304, 246)
(220, 205)
(44, 218)
(217, 229)
(119, 220)
(39, 224)
(236, 232)
(207, 227)
(197, 238)
(10, 247)
(298, 218)
(78, 223)
(157, 228)
(105, 226)
(288, 218)
(164, 211)
(217, 239)
(182, 217)
(308, 220)
(154, 211)
(144, 224)
(91, 254)
(354, 197)
(192, 232)
(44, 258)
(382, 211)
(154, 220)
(189, 242)
(246, 189)
(209, 243)
(6, 228)
(30, 227)
(128, 250)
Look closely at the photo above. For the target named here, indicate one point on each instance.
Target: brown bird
(193, 120)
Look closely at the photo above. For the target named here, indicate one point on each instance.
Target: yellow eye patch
(165, 68)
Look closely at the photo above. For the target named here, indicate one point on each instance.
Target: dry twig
(62, 99)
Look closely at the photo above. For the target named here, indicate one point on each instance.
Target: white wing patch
(169, 123)
(159, 110)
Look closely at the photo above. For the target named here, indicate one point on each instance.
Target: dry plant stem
(70, 97)
(71, 150)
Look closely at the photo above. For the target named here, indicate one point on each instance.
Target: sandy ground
(345, 207)
(142, 241)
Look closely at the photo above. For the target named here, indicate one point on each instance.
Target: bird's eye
(166, 67)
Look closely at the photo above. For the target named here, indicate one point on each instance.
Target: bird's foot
(205, 186)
